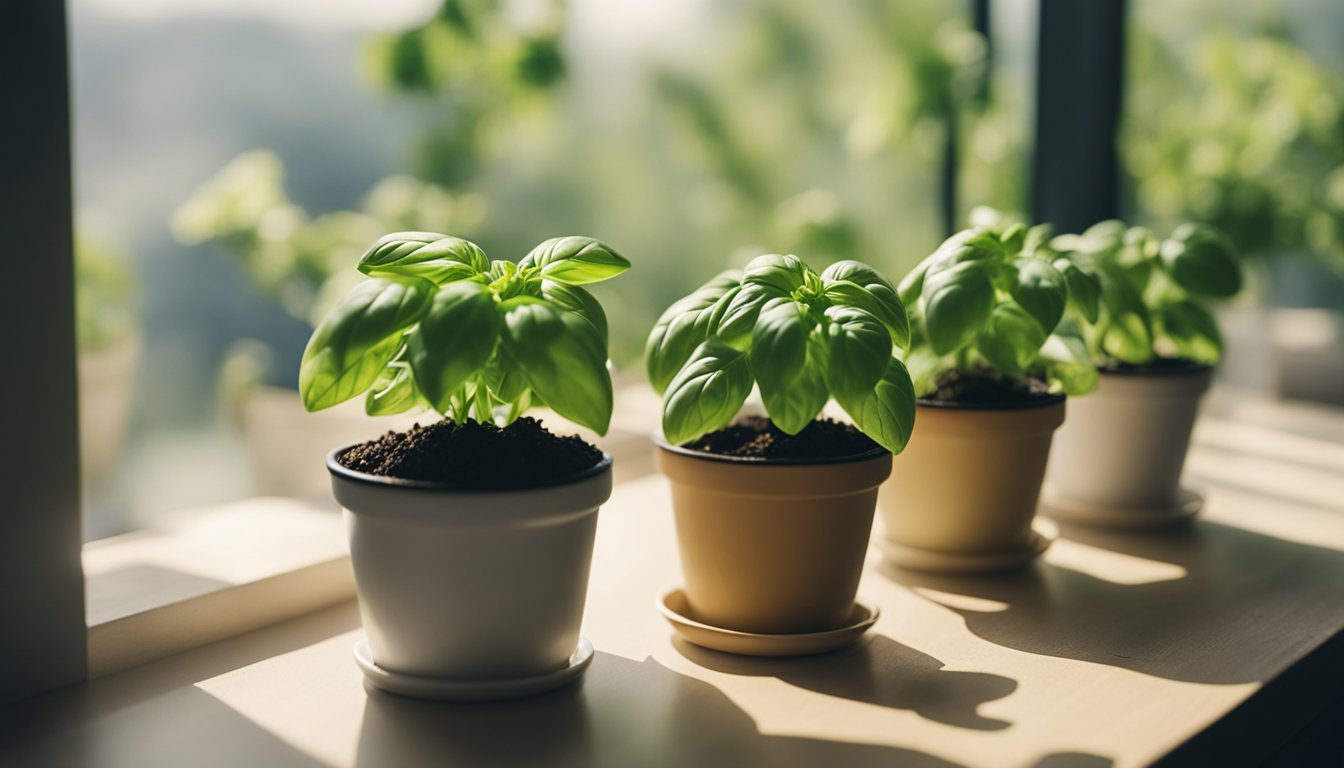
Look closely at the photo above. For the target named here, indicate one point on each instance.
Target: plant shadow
(623, 712)
(879, 671)
(1245, 604)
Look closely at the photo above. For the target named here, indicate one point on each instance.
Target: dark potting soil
(475, 456)
(757, 437)
(1156, 365)
(986, 388)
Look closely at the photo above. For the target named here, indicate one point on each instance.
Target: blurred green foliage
(105, 293)
(300, 260)
(1237, 125)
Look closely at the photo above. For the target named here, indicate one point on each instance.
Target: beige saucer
(929, 561)
(1188, 503)
(674, 608)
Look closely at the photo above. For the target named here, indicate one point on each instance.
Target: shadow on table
(880, 671)
(156, 715)
(623, 713)
(1246, 603)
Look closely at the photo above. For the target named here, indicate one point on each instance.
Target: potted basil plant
(471, 538)
(773, 515)
(991, 371)
(1119, 460)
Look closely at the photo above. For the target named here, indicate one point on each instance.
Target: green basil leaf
(1068, 364)
(793, 390)
(563, 358)
(707, 394)
(734, 326)
(781, 275)
(358, 337)
(858, 347)
(886, 412)
(1124, 330)
(957, 304)
(394, 392)
(679, 331)
(424, 254)
(457, 336)
(504, 377)
(1193, 332)
(578, 301)
(1012, 339)
(1084, 288)
(855, 272)
(1040, 289)
(1202, 262)
(878, 300)
(575, 260)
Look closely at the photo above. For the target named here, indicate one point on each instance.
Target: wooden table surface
(1222, 640)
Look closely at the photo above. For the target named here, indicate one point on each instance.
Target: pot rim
(872, 453)
(337, 469)
(1044, 401)
(1192, 369)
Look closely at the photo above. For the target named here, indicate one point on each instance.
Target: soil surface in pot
(988, 388)
(1156, 365)
(757, 437)
(475, 456)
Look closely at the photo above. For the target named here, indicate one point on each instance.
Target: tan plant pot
(1125, 444)
(963, 494)
(772, 547)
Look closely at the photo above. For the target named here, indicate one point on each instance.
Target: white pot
(106, 386)
(1124, 445)
(468, 586)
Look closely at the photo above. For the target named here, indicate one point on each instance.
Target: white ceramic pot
(1124, 445)
(470, 586)
(963, 494)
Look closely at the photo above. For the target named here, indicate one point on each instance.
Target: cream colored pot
(470, 585)
(772, 547)
(1124, 446)
(962, 496)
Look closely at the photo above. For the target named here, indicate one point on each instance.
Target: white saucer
(1187, 505)
(674, 608)
(471, 690)
(930, 561)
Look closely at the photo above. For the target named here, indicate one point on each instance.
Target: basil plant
(990, 300)
(1152, 296)
(439, 325)
(800, 336)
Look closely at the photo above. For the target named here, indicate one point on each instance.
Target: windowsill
(209, 575)
(218, 572)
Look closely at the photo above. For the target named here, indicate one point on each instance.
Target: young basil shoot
(800, 336)
(1153, 293)
(439, 325)
(989, 301)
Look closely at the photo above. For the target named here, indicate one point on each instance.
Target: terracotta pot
(969, 481)
(772, 546)
(461, 586)
(1124, 446)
